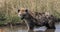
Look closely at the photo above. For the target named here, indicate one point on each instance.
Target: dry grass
(33, 5)
(10, 7)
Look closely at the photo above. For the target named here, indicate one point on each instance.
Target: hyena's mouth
(22, 16)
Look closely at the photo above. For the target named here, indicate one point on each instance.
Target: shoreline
(16, 24)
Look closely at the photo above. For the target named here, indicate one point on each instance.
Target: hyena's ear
(18, 10)
(26, 10)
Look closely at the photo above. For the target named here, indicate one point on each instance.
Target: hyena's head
(22, 13)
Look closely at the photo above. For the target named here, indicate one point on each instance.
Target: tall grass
(8, 9)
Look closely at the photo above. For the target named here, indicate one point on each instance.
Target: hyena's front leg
(30, 26)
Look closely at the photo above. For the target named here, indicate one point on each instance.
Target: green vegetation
(4, 19)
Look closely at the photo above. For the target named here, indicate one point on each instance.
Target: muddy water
(24, 29)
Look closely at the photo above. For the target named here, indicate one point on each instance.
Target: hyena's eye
(18, 10)
(26, 10)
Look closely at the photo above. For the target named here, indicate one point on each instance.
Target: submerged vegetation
(8, 9)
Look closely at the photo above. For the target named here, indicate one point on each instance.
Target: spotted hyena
(33, 19)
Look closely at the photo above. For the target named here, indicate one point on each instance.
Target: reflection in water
(24, 29)
(47, 30)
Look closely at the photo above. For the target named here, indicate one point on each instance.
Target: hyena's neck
(30, 19)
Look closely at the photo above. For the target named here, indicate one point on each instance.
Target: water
(24, 29)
